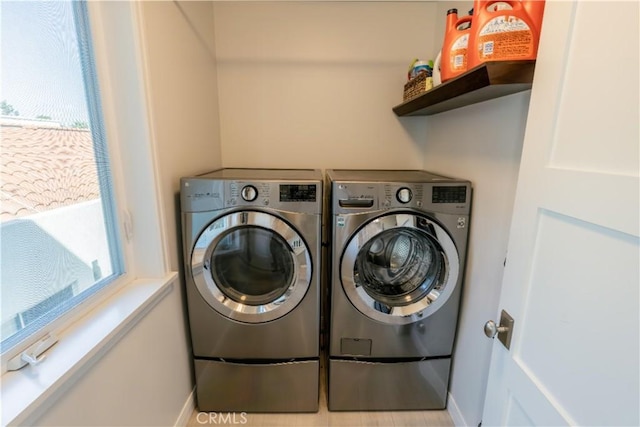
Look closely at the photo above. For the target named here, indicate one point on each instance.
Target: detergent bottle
(505, 30)
(454, 49)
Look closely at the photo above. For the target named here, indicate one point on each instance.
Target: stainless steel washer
(252, 240)
(398, 250)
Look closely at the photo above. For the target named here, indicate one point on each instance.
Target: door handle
(503, 331)
(491, 329)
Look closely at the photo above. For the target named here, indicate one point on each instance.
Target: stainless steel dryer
(252, 241)
(398, 251)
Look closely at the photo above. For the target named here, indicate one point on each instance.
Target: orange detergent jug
(505, 30)
(454, 48)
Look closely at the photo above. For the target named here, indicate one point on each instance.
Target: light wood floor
(325, 418)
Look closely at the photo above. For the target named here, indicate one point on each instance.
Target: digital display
(298, 193)
(449, 194)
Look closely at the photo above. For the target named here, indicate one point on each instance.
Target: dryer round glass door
(251, 266)
(400, 268)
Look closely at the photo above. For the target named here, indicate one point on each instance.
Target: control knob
(404, 195)
(249, 193)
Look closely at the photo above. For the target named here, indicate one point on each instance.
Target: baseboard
(187, 410)
(454, 412)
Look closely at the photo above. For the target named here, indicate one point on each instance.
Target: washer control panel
(446, 197)
(407, 195)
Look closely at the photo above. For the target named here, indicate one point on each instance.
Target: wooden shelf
(486, 81)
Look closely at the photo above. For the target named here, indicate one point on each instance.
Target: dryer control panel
(200, 195)
(295, 197)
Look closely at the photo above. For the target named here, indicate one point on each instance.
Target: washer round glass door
(251, 266)
(400, 268)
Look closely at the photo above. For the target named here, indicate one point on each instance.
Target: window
(58, 230)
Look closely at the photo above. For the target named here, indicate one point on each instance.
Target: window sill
(79, 347)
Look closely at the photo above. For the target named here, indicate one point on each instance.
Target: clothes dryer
(398, 248)
(252, 241)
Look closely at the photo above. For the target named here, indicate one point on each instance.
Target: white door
(571, 279)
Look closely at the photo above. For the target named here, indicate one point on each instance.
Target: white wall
(183, 95)
(142, 381)
(482, 143)
(312, 84)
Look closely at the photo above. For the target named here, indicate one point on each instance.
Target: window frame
(25, 336)
(117, 63)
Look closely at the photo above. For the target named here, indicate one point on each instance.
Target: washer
(398, 251)
(252, 240)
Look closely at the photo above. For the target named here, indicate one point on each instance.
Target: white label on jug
(458, 53)
(503, 24)
(505, 37)
(461, 43)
